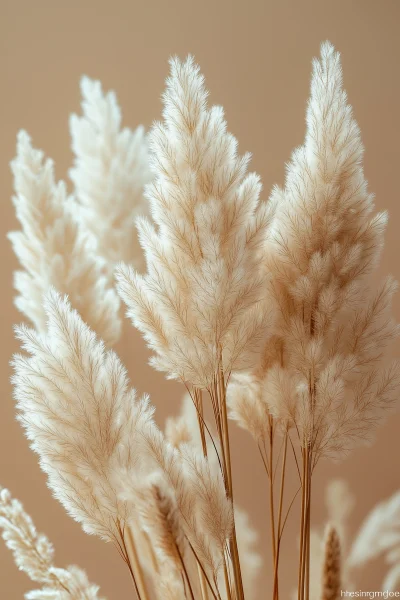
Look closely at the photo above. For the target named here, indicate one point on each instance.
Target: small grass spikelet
(331, 581)
(34, 554)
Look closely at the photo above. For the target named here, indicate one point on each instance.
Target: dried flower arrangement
(262, 309)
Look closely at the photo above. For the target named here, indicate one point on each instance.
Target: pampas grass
(34, 554)
(55, 249)
(263, 309)
(111, 167)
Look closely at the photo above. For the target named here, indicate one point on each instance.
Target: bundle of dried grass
(324, 375)
(262, 306)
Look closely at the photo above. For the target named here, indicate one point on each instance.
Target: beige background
(256, 56)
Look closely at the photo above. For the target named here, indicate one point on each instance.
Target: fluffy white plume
(202, 504)
(184, 427)
(316, 564)
(278, 290)
(340, 503)
(54, 249)
(391, 581)
(250, 560)
(183, 432)
(248, 406)
(110, 170)
(326, 376)
(160, 520)
(34, 554)
(79, 414)
(169, 587)
(214, 509)
(380, 535)
(199, 304)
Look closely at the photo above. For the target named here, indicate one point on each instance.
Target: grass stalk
(279, 530)
(136, 566)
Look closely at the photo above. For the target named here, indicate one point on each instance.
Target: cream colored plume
(201, 301)
(74, 401)
(268, 308)
(380, 536)
(110, 171)
(327, 374)
(55, 249)
(34, 554)
(182, 431)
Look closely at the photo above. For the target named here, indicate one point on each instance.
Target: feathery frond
(34, 554)
(110, 171)
(183, 428)
(250, 560)
(199, 517)
(379, 533)
(268, 309)
(79, 415)
(248, 407)
(200, 302)
(215, 510)
(54, 248)
(333, 326)
(160, 519)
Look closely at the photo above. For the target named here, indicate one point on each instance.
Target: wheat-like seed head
(331, 581)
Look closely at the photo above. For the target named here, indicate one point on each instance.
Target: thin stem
(137, 567)
(278, 458)
(198, 402)
(133, 580)
(122, 549)
(278, 543)
(271, 490)
(198, 399)
(202, 423)
(264, 460)
(204, 573)
(225, 431)
(221, 388)
(304, 563)
(289, 508)
(302, 518)
(295, 457)
(123, 552)
(233, 546)
(203, 586)
(186, 574)
(305, 536)
(226, 578)
(308, 528)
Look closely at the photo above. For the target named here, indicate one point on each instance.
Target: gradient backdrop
(256, 57)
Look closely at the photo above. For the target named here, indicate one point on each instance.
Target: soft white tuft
(55, 249)
(110, 171)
